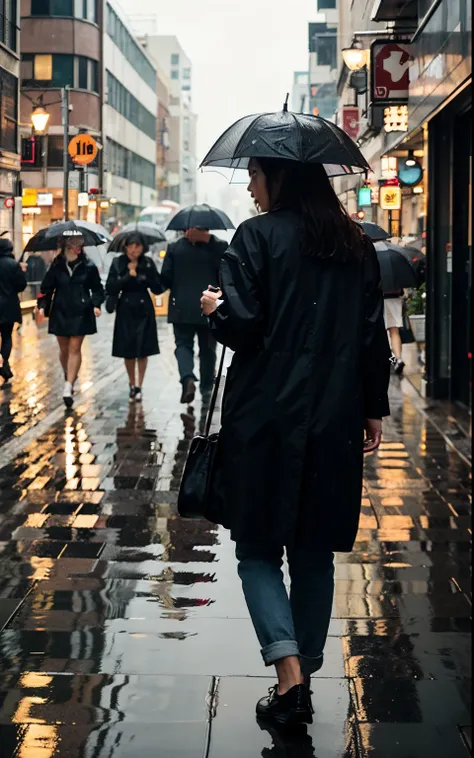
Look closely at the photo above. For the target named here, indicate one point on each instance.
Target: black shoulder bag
(198, 497)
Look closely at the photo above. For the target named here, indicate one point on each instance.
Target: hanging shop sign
(410, 172)
(83, 199)
(83, 149)
(351, 120)
(364, 197)
(390, 198)
(395, 118)
(389, 167)
(390, 72)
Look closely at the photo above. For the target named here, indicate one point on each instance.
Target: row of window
(8, 24)
(86, 9)
(8, 111)
(59, 70)
(128, 106)
(130, 48)
(128, 165)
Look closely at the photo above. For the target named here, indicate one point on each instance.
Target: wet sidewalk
(123, 632)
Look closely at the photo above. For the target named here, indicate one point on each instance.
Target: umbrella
(200, 217)
(396, 267)
(293, 136)
(150, 232)
(374, 231)
(97, 228)
(48, 238)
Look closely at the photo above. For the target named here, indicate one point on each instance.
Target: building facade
(87, 47)
(130, 119)
(428, 123)
(172, 59)
(10, 208)
(323, 35)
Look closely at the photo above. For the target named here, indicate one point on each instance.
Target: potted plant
(416, 309)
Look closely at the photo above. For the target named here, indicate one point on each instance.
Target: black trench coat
(12, 281)
(69, 299)
(135, 332)
(311, 363)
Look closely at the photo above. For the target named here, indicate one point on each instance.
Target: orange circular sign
(83, 149)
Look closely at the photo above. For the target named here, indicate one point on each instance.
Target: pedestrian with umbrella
(303, 309)
(397, 273)
(71, 296)
(192, 264)
(12, 282)
(132, 275)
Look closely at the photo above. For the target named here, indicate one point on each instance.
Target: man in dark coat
(190, 266)
(12, 281)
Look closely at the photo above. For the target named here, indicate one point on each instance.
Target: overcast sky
(244, 53)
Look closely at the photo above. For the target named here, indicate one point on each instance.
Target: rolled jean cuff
(311, 665)
(277, 650)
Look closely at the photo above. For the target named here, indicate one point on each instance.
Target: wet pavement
(123, 632)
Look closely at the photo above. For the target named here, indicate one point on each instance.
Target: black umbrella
(150, 232)
(48, 238)
(374, 231)
(294, 136)
(200, 217)
(396, 267)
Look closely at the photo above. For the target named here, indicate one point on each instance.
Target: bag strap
(215, 393)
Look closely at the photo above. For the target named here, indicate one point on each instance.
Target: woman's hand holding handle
(373, 430)
(132, 267)
(209, 300)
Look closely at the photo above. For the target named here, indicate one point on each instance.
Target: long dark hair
(136, 238)
(327, 231)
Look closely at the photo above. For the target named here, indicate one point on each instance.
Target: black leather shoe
(294, 707)
(189, 392)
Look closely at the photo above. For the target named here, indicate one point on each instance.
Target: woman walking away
(303, 309)
(393, 310)
(71, 295)
(135, 335)
(12, 281)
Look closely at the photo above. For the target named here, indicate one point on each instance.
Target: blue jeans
(295, 625)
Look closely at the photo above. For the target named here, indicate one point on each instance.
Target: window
(130, 48)
(8, 111)
(324, 5)
(128, 165)
(43, 68)
(175, 75)
(186, 73)
(52, 8)
(326, 50)
(60, 71)
(128, 106)
(175, 59)
(82, 72)
(8, 23)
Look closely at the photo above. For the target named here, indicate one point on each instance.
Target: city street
(123, 629)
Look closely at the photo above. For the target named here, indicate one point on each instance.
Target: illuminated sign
(395, 118)
(390, 198)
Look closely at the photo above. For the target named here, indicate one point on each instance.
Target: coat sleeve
(97, 290)
(116, 282)
(48, 288)
(19, 280)
(239, 322)
(167, 268)
(376, 350)
(152, 279)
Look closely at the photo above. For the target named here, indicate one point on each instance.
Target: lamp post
(40, 120)
(356, 59)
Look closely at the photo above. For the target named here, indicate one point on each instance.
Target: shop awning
(395, 10)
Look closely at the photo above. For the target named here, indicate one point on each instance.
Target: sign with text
(83, 149)
(390, 72)
(351, 120)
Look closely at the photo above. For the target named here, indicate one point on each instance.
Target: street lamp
(40, 119)
(355, 57)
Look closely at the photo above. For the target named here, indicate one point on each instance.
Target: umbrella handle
(285, 104)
